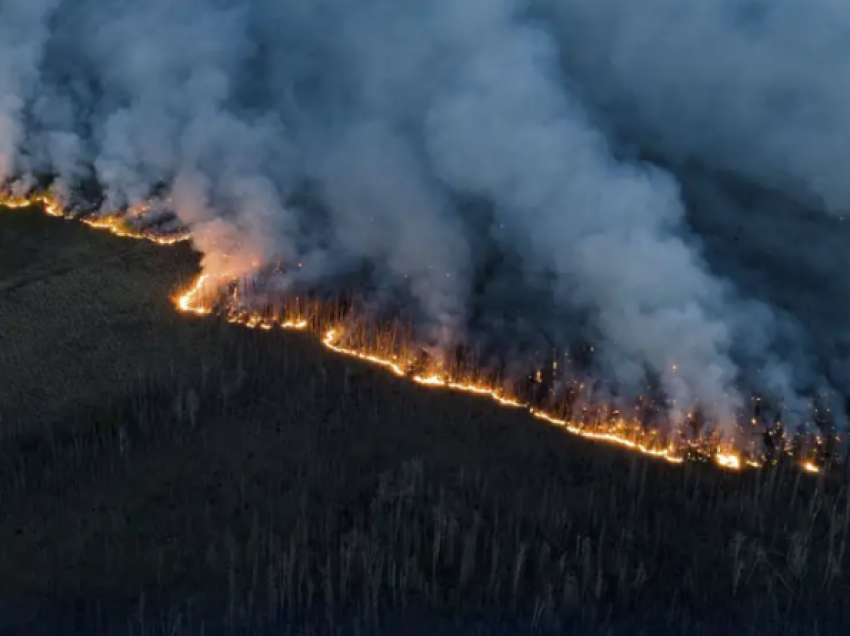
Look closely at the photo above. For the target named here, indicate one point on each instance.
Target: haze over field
(662, 179)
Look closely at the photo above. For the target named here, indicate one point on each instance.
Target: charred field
(162, 474)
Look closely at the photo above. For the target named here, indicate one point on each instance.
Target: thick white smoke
(395, 114)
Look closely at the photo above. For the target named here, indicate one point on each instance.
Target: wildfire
(668, 454)
(331, 339)
(617, 432)
(48, 204)
(113, 223)
(190, 301)
(195, 300)
(465, 387)
(116, 226)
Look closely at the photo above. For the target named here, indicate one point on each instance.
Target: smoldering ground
(660, 179)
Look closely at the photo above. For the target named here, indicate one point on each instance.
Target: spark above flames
(615, 431)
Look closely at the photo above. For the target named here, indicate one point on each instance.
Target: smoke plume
(661, 179)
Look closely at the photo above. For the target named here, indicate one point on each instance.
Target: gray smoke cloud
(640, 175)
(756, 87)
(23, 31)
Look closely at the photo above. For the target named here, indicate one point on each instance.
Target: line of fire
(545, 389)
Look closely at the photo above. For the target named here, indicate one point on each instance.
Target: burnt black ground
(261, 480)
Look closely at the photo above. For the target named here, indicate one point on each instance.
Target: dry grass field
(160, 473)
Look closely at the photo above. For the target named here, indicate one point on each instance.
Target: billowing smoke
(662, 179)
(23, 31)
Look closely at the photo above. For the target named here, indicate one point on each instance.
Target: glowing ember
(810, 467)
(728, 460)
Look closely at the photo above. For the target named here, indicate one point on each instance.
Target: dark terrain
(159, 473)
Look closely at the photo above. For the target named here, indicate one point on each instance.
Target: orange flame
(330, 341)
(728, 460)
(810, 467)
(190, 301)
(668, 454)
(114, 223)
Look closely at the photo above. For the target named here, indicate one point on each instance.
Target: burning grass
(130, 223)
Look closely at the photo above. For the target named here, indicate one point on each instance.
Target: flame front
(191, 300)
(197, 300)
(115, 223)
